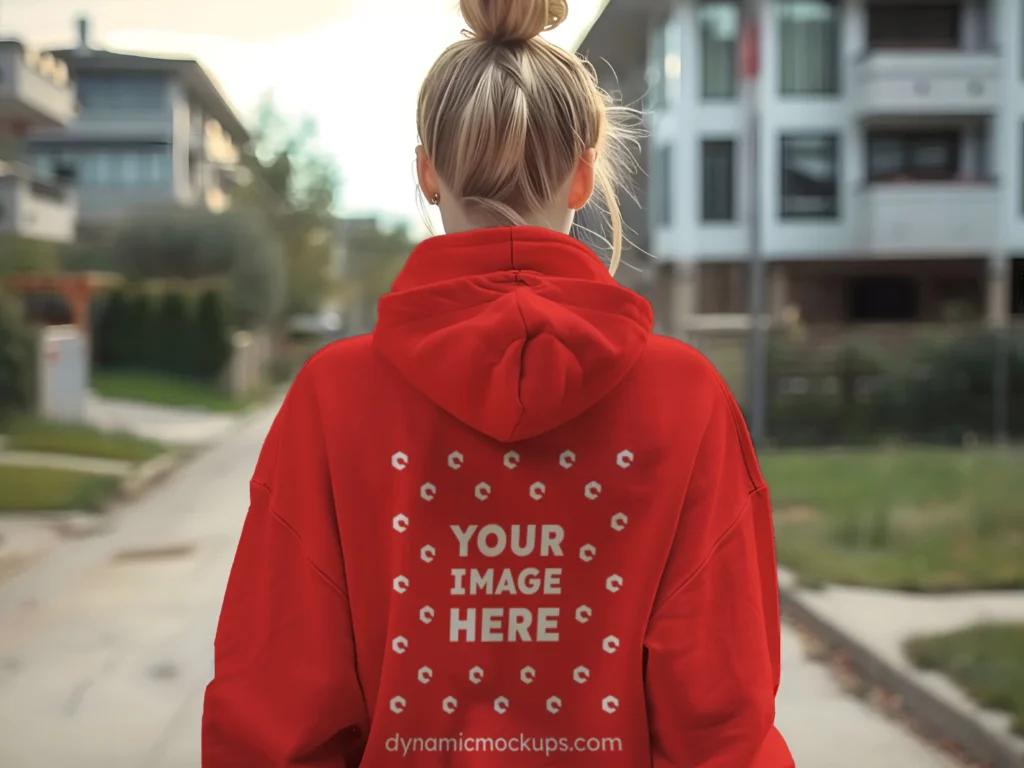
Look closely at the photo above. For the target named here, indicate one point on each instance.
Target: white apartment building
(35, 92)
(150, 132)
(890, 157)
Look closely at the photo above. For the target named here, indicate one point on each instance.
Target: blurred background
(195, 197)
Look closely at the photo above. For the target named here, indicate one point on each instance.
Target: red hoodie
(510, 528)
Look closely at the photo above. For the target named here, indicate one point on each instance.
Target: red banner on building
(750, 59)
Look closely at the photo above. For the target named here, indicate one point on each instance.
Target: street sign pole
(757, 344)
(1000, 275)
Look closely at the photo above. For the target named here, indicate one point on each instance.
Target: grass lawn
(915, 519)
(27, 434)
(986, 661)
(41, 489)
(162, 389)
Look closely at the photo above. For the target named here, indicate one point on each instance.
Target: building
(890, 158)
(35, 92)
(150, 132)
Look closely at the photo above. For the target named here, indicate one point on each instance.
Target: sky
(354, 66)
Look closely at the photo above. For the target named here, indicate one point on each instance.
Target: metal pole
(1001, 368)
(756, 346)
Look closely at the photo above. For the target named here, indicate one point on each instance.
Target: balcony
(925, 82)
(929, 218)
(35, 210)
(35, 90)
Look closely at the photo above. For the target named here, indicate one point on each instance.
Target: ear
(427, 175)
(582, 187)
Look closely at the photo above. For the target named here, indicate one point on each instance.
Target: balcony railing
(36, 90)
(956, 217)
(926, 81)
(35, 209)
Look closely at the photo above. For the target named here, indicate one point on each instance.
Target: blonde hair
(505, 116)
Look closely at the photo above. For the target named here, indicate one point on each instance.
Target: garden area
(109, 456)
(922, 519)
(915, 519)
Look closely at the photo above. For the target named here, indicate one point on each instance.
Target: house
(889, 165)
(150, 132)
(35, 93)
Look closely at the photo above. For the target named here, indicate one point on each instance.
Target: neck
(456, 221)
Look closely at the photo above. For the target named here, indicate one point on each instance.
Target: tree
(190, 244)
(373, 259)
(294, 186)
(22, 255)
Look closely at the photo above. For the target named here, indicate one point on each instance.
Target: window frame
(662, 187)
(833, 140)
(657, 77)
(718, 142)
(897, 42)
(734, 87)
(833, 89)
(907, 140)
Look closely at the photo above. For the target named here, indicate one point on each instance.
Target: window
(661, 188)
(656, 85)
(719, 30)
(913, 155)
(913, 25)
(882, 299)
(719, 180)
(115, 167)
(1022, 175)
(122, 92)
(1017, 287)
(808, 47)
(810, 176)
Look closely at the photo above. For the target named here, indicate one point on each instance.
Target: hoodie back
(511, 527)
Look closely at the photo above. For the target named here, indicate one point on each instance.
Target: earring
(436, 199)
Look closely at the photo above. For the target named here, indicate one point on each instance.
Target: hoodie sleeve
(285, 690)
(713, 641)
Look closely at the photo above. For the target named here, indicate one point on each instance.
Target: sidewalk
(872, 626)
(105, 644)
(163, 424)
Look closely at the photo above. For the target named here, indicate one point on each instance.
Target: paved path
(883, 621)
(103, 659)
(172, 426)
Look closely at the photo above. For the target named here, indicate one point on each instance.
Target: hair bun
(504, 21)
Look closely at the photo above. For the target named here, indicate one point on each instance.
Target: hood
(513, 330)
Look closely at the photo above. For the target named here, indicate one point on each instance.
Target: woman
(512, 526)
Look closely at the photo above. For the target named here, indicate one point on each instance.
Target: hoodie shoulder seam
(712, 551)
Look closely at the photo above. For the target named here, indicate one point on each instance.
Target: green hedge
(937, 392)
(17, 359)
(169, 333)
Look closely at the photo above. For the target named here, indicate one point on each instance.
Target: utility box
(63, 374)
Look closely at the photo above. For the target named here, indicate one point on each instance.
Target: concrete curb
(939, 717)
(154, 471)
(148, 474)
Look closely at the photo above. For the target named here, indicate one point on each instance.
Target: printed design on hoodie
(469, 623)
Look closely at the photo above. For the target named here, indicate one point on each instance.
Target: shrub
(939, 393)
(210, 338)
(17, 359)
(110, 345)
(171, 337)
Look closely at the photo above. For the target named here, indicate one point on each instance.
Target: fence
(870, 385)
